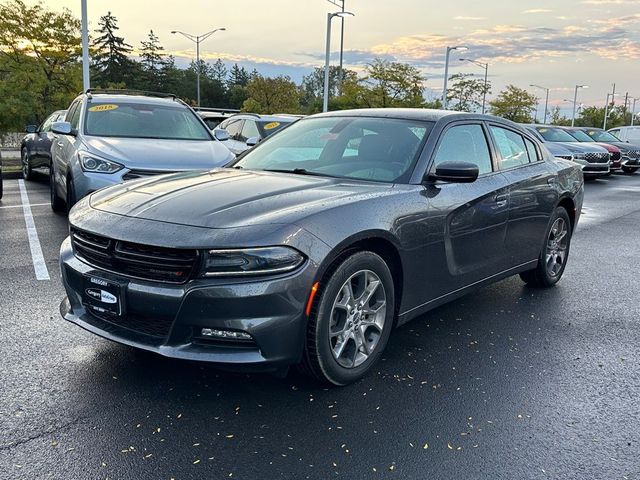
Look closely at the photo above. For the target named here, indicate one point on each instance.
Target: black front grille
(615, 156)
(146, 262)
(158, 327)
(134, 174)
(633, 154)
(565, 157)
(597, 157)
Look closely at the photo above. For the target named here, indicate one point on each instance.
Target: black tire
(319, 358)
(71, 194)
(630, 170)
(27, 171)
(57, 204)
(542, 276)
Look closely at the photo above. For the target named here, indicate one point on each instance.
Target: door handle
(60, 144)
(501, 200)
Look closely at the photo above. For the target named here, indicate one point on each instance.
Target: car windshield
(365, 148)
(581, 136)
(602, 136)
(269, 128)
(134, 120)
(555, 135)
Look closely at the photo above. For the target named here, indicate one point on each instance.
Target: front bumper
(629, 162)
(167, 319)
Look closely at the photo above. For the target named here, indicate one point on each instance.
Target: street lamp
(608, 111)
(197, 39)
(330, 16)
(633, 111)
(459, 48)
(486, 79)
(575, 101)
(86, 84)
(340, 3)
(546, 103)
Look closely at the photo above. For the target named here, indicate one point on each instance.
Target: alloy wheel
(557, 245)
(357, 318)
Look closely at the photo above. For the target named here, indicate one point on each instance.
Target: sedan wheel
(554, 255)
(351, 321)
(27, 173)
(57, 205)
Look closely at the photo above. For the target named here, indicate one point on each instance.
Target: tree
(111, 61)
(39, 62)
(465, 94)
(558, 119)
(238, 76)
(312, 87)
(515, 104)
(271, 95)
(392, 84)
(152, 62)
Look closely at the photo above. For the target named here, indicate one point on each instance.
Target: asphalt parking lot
(505, 383)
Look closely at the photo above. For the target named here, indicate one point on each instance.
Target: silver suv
(109, 137)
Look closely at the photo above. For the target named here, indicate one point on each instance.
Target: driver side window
(465, 143)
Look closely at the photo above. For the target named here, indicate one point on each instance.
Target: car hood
(228, 198)
(577, 147)
(169, 155)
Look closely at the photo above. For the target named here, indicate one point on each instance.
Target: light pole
(607, 112)
(633, 111)
(546, 103)
(575, 102)
(459, 48)
(197, 39)
(86, 83)
(486, 79)
(325, 97)
(340, 3)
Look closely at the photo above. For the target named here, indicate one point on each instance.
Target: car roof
(124, 98)
(266, 118)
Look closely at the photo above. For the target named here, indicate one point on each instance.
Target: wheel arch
(569, 205)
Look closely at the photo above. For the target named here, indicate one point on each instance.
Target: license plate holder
(102, 296)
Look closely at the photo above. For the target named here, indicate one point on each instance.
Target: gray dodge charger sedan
(312, 247)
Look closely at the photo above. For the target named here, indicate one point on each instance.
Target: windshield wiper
(300, 171)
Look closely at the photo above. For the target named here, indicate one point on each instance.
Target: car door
(42, 150)
(472, 217)
(532, 196)
(63, 147)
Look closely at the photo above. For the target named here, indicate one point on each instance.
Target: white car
(627, 134)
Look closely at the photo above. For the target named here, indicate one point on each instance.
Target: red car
(614, 152)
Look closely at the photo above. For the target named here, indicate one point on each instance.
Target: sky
(556, 44)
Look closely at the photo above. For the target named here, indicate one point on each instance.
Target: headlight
(93, 163)
(251, 261)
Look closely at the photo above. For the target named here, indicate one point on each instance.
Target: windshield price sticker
(103, 108)
(272, 125)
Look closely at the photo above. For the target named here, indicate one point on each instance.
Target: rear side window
(234, 128)
(250, 130)
(533, 151)
(71, 111)
(513, 151)
(465, 143)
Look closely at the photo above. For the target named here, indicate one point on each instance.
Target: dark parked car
(314, 245)
(214, 116)
(35, 148)
(630, 152)
(615, 154)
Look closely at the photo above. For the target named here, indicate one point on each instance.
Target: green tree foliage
(515, 104)
(312, 87)
(152, 63)
(392, 84)
(111, 62)
(558, 119)
(465, 93)
(271, 95)
(39, 67)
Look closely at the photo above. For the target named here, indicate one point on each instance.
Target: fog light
(225, 334)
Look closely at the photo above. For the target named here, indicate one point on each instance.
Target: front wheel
(554, 255)
(351, 323)
(57, 204)
(27, 171)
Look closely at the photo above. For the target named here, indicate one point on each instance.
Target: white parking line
(39, 265)
(20, 206)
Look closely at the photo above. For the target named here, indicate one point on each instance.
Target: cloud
(472, 19)
(611, 2)
(537, 10)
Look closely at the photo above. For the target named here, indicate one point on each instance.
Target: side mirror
(252, 142)
(31, 128)
(62, 128)
(221, 134)
(456, 172)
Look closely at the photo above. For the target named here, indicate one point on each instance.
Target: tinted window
(513, 151)
(269, 128)
(581, 136)
(141, 120)
(46, 126)
(465, 143)
(74, 120)
(602, 136)
(376, 149)
(249, 130)
(533, 151)
(555, 135)
(71, 111)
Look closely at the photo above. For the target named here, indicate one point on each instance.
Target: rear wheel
(57, 204)
(27, 171)
(554, 255)
(350, 326)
